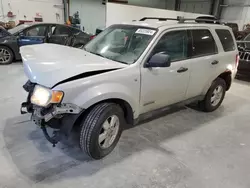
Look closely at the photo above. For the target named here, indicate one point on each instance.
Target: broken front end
(47, 110)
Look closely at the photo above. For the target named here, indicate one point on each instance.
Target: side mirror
(21, 34)
(159, 60)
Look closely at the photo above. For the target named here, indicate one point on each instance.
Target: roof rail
(157, 18)
(180, 19)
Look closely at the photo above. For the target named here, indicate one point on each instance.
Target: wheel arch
(126, 107)
(226, 76)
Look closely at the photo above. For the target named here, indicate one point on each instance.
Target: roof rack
(180, 19)
(158, 18)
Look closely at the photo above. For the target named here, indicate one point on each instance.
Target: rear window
(226, 39)
(203, 43)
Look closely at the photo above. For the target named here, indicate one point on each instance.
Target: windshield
(121, 43)
(18, 28)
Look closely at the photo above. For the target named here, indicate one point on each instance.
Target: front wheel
(214, 96)
(6, 55)
(101, 130)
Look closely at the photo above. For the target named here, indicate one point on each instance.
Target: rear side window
(226, 39)
(62, 30)
(203, 43)
(75, 31)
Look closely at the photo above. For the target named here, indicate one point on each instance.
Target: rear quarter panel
(227, 60)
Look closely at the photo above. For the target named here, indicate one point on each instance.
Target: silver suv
(127, 71)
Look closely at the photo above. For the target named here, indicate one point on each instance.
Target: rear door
(59, 34)
(203, 61)
(33, 35)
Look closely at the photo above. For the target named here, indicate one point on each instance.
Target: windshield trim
(125, 26)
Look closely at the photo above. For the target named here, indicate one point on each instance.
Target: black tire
(206, 104)
(10, 60)
(92, 126)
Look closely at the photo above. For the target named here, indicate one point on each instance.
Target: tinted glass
(203, 43)
(75, 31)
(226, 39)
(61, 30)
(173, 43)
(18, 28)
(36, 31)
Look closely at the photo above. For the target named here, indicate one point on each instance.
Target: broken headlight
(43, 96)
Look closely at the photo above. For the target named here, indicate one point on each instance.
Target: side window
(226, 39)
(203, 43)
(36, 31)
(175, 44)
(52, 29)
(75, 31)
(61, 30)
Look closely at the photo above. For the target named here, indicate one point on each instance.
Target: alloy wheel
(217, 95)
(109, 132)
(4, 56)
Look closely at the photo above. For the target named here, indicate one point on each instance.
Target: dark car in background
(244, 60)
(34, 33)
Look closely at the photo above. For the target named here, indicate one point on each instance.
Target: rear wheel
(101, 130)
(6, 55)
(214, 96)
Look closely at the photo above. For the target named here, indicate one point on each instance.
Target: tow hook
(54, 139)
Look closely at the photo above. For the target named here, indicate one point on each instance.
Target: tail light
(237, 61)
(91, 37)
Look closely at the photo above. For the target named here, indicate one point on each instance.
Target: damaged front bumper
(60, 117)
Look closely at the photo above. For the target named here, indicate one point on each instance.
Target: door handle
(215, 62)
(182, 69)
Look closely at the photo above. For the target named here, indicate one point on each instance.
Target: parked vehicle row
(33, 33)
(125, 72)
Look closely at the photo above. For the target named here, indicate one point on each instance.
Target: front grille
(244, 53)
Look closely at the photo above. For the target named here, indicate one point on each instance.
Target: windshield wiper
(95, 53)
(120, 61)
(105, 57)
(99, 55)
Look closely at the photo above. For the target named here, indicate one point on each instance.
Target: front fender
(105, 91)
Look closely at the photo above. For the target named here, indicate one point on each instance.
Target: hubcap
(4, 56)
(216, 95)
(109, 131)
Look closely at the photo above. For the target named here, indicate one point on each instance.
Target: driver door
(33, 35)
(59, 34)
(162, 86)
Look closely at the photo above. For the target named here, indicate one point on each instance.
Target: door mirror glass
(159, 60)
(21, 34)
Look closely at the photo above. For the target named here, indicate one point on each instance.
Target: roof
(170, 23)
(48, 23)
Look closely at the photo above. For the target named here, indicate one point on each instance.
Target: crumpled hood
(49, 64)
